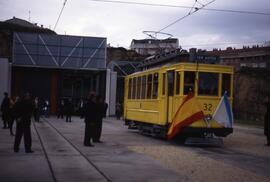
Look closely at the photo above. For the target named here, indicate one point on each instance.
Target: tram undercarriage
(160, 131)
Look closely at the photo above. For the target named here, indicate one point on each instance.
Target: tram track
(45, 153)
(73, 146)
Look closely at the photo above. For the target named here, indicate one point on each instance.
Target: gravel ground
(193, 163)
(198, 168)
(248, 140)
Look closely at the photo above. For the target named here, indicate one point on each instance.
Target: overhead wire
(142, 4)
(237, 11)
(192, 7)
(192, 11)
(223, 43)
(181, 6)
(64, 4)
(185, 7)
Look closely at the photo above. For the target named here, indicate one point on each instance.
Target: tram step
(214, 142)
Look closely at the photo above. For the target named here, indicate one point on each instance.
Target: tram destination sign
(208, 59)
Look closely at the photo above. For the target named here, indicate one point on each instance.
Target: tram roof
(189, 66)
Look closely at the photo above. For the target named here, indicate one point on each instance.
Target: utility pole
(29, 16)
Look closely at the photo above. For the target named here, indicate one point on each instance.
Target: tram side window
(149, 86)
(189, 81)
(155, 86)
(177, 83)
(163, 83)
(134, 88)
(143, 86)
(129, 88)
(208, 84)
(139, 88)
(226, 84)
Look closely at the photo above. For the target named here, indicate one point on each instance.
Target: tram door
(170, 94)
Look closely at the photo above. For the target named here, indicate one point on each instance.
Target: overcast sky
(121, 23)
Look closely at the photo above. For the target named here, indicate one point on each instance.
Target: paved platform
(60, 155)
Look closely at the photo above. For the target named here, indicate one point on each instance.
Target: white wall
(111, 81)
(113, 92)
(5, 77)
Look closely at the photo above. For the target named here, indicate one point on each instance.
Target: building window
(243, 64)
(262, 65)
(254, 65)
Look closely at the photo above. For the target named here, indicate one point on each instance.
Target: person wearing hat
(24, 110)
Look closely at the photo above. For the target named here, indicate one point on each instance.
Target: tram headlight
(208, 117)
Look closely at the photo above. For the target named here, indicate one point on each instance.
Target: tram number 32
(207, 107)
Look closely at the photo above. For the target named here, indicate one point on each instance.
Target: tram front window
(189, 82)
(226, 84)
(208, 84)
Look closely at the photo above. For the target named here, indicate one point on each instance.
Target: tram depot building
(54, 67)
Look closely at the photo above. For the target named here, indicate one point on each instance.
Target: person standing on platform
(118, 111)
(5, 108)
(81, 107)
(36, 109)
(90, 118)
(267, 121)
(61, 107)
(101, 113)
(46, 108)
(69, 110)
(13, 105)
(24, 111)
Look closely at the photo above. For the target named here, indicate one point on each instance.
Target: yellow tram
(152, 97)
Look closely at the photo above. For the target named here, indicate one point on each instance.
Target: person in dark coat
(101, 113)
(13, 105)
(267, 121)
(24, 110)
(81, 108)
(90, 118)
(36, 109)
(46, 108)
(69, 110)
(61, 108)
(118, 111)
(5, 108)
